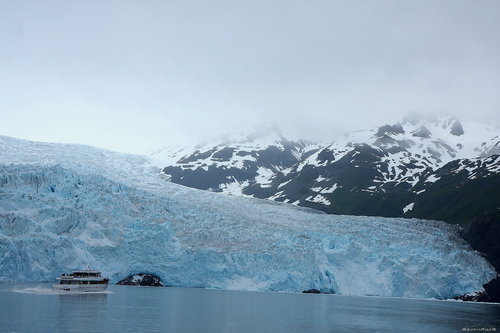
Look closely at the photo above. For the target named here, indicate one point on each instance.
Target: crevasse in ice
(64, 207)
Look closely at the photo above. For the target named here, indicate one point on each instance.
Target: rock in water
(141, 279)
(311, 291)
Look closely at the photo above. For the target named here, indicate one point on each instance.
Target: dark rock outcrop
(457, 129)
(141, 279)
(491, 293)
(483, 234)
(422, 132)
(390, 129)
(311, 291)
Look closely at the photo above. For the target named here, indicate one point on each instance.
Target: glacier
(66, 206)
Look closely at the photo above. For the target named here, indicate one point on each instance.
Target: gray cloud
(132, 75)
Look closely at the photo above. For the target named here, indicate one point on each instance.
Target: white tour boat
(82, 281)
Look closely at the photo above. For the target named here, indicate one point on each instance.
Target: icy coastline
(69, 206)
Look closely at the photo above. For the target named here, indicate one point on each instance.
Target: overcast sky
(135, 75)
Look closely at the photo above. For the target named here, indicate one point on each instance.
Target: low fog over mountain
(391, 170)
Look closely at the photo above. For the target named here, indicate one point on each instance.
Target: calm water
(35, 308)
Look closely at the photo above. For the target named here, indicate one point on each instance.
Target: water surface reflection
(143, 309)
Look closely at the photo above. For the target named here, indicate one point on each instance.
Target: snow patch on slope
(319, 199)
(408, 207)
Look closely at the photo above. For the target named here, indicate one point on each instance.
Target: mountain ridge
(390, 163)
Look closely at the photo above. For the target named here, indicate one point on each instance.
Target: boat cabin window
(86, 274)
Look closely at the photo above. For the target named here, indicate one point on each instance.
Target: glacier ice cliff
(64, 207)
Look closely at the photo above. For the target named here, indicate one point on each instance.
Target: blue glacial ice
(64, 207)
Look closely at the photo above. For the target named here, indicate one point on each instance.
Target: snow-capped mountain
(64, 207)
(231, 164)
(382, 171)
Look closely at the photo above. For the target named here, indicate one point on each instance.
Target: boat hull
(80, 288)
